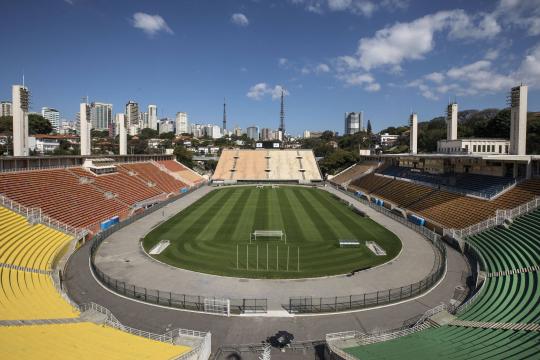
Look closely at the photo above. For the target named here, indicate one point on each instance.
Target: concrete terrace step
(496, 325)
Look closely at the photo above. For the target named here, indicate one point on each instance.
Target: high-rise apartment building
(143, 120)
(182, 125)
(132, 114)
(354, 122)
(152, 117)
(6, 108)
(253, 132)
(100, 115)
(53, 116)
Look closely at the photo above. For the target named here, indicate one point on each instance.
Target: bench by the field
(349, 243)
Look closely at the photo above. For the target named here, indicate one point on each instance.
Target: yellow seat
(80, 341)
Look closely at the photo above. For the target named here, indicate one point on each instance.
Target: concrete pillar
(451, 121)
(85, 128)
(518, 120)
(122, 137)
(413, 123)
(20, 101)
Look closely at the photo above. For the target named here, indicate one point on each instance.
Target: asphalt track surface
(82, 287)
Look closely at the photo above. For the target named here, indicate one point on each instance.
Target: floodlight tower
(451, 121)
(122, 137)
(518, 120)
(20, 101)
(85, 127)
(413, 123)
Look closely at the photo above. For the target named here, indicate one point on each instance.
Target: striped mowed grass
(213, 234)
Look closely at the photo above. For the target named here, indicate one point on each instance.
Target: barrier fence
(160, 297)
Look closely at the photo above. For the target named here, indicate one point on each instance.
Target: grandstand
(84, 198)
(37, 321)
(441, 208)
(352, 173)
(267, 165)
(502, 322)
(182, 172)
(83, 340)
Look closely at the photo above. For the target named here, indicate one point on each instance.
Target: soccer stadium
(128, 236)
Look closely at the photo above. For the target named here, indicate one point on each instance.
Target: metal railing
(498, 219)
(156, 296)
(36, 215)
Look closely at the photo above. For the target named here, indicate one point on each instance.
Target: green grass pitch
(205, 236)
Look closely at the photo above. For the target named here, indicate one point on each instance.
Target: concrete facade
(85, 129)
(20, 98)
(413, 123)
(182, 125)
(451, 121)
(354, 122)
(152, 117)
(122, 134)
(473, 146)
(518, 120)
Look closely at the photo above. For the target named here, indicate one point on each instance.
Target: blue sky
(382, 57)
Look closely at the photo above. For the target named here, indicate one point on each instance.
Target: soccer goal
(268, 234)
(217, 306)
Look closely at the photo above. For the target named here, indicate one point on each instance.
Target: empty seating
(151, 174)
(352, 173)
(452, 342)
(260, 165)
(82, 340)
(487, 185)
(30, 246)
(506, 299)
(61, 195)
(27, 295)
(186, 174)
(447, 209)
(128, 189)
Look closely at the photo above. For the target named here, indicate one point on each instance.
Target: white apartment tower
(152, 117)
(451, 121)
(85, 127)
(5, 109)
(182, 125)
(122, 134)
(53, 116)
(101, 115)
(20, 98)
(413, 123)
(518, 120)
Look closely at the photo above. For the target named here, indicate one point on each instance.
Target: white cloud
(373, 87)
(150, 24)
(358, 7)
(260, 90)
(529, 70)
(283, 61)
(436, 77)
(322, 68)
(239, 19)
(492, 54)
(392, 45)
(523, 14)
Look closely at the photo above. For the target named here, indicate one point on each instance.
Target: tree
(183, 155)
(338, 160)
(148, 133)
(101, 134)
(37, 124)
(369, 127)
(327, 135)
(6, 124)
(168, 135)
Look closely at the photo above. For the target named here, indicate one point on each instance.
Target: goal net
(276, 234)
(217, 306)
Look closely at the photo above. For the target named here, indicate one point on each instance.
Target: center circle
(271, 232)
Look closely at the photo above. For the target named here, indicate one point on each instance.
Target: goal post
(268, 234)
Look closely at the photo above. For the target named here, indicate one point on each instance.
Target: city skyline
(389, 59)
